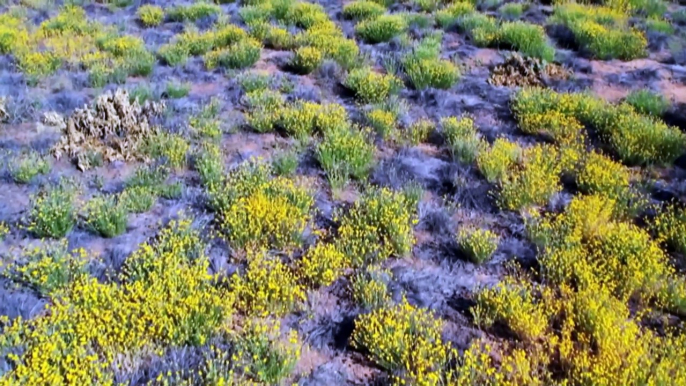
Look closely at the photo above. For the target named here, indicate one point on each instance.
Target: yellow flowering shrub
(257, 211)
(307, 59)
(268, 287)
(48, 269)
(370, 86)
(299, 119)
(534, 182)
(462, 138)
(478, 244)
(418, 131)
(166, 296)
(322, 264)
(370, 287)
(670, 227)
(514, 304)
(405, 340)
(494, 162)
(4, 230)
(279, 39)
(270, 354)
(379, 225)
(601, 175)
(382, 121)
(150, 15)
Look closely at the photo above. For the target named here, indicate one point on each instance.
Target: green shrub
(481, 28)
(306, 15)
(380, 29)
(177, 90)
(279, 39)
(478, 244)
(237, 56)
(210, 165)
(344, 153)
(193, 12)
(151, 177)
(255, 13)
(196, 43)
(529, 39)
(138, 199)
(105, 216)
(306, 59)
(670, 227)
(462, 138)
(378, 226)
(173, 148)
(286, 162)
(424, 73)
(427, 5)
(647, 102)
(150, 15)
(322, 264)
(271, 357)
(228, 35)
(418, 132)
(511, 10)
(659, 25)
(173, 54)
(27, 166)
(370, 86)
(299, 118)
(363, 9)
(52, 212)
(609, 43)
(450, 15)
(254, 81)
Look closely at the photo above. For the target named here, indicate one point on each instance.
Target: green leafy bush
(370, 287)
(138, 199)
(380, 29)
(449, 16)
(529, 39)
(193, 12)
(534, 183)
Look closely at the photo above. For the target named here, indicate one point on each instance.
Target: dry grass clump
(115, 129)
(520, 71)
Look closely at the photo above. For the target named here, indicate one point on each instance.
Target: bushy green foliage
(27, 166)
(138, 199)
(193, 12)
(150, 15)
(377, 227)
(534, 182)
(53, 211)
(449, 16)
(345, 153)
(177, 90)
(363, 9)
(424, 73)
(495, 162)
(380, 29)
(240, 55)
(511, 10)
(647, 102)
(370, 287)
